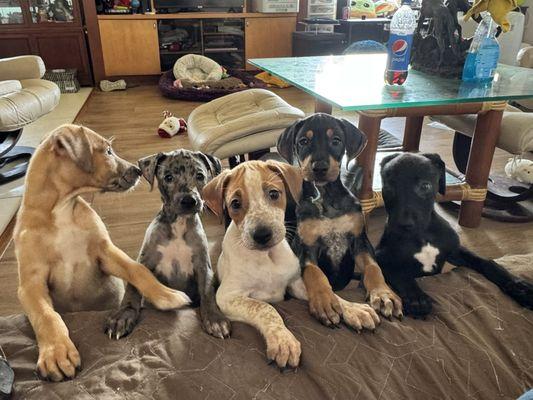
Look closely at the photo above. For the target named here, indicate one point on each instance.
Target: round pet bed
(197, 68)
(166, 85)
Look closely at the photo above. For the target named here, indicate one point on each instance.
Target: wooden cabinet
(268, 37)
(130, 47)
(130, 44)
(54, 33)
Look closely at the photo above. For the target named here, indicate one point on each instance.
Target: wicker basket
(64, 78)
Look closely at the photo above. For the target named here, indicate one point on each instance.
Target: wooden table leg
(321, 107)
(412, 132)
(370, 127)
(479, 162)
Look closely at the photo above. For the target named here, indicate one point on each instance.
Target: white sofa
(24, 96)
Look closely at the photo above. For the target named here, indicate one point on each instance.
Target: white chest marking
(262, 275)
(427, 257)
(176, 253)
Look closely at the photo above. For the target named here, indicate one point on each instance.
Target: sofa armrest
(525, 57)
(23, 67)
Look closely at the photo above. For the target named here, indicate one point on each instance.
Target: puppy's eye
(273, 194)
(303, 141)
(168, 178)
(235, 204)
(336, 141)
(109, 151)
(200, 176)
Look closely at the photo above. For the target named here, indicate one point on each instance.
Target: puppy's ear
(212, 163)
(354, 140)
(387, 159)
(148, 166)
(72, 142)
(285, 144)
(213, 192)
(441, 167)
(292, 177)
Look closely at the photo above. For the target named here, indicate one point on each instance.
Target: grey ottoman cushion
(516, 135)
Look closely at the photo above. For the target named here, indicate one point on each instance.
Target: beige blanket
(478, 344)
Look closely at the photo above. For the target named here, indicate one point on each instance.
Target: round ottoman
(240, 123)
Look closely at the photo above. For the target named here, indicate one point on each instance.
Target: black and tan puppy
(417, 241)
(331, 237)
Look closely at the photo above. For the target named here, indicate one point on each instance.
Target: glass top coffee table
(355, 83)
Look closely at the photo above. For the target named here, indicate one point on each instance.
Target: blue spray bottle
(482, 57)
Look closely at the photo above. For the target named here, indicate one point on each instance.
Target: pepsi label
(399, 48)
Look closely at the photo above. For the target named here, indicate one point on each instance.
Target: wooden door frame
(94, 41)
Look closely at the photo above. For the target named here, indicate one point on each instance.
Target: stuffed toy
(362, 9)
(385, 8)
(171, 125)
(272, 81)
(498, 10)
(520, 169)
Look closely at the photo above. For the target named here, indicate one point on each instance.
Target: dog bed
(167, 88)
(197, 68)
(476, 345)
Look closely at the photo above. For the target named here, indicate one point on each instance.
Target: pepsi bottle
(402, 27)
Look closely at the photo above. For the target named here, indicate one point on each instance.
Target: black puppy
(331, 237)
(417, 241)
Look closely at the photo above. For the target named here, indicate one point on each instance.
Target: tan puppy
(66, 259)
(257, 265)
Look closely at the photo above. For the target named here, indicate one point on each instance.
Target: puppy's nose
(187, 202)
(132, 173)
(320, 167)
(262, 235)
(407, 224)
(135, 170)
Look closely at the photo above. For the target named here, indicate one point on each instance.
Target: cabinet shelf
(224, 50)
(207, 37)
(182, 52)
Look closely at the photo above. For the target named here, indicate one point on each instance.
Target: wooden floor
(132, 118)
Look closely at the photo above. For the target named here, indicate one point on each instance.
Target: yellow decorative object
(498, 10)
(362, 9)
(271, 80)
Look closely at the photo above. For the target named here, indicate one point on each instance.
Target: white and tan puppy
(257, 265)
(65, 256)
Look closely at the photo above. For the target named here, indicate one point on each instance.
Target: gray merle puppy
(175, 245)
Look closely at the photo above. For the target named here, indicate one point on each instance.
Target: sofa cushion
(22, 67)
(516, 135)
(35, 98)
(9, 87)
(240, 122)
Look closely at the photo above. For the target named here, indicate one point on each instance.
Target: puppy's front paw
(521, 291)
(121, 323)
(417, 304)
(169, 299)
(217, 325)
(283, 348)
(58, 360)
(359, 316)
(384, 300)
(325, 307)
